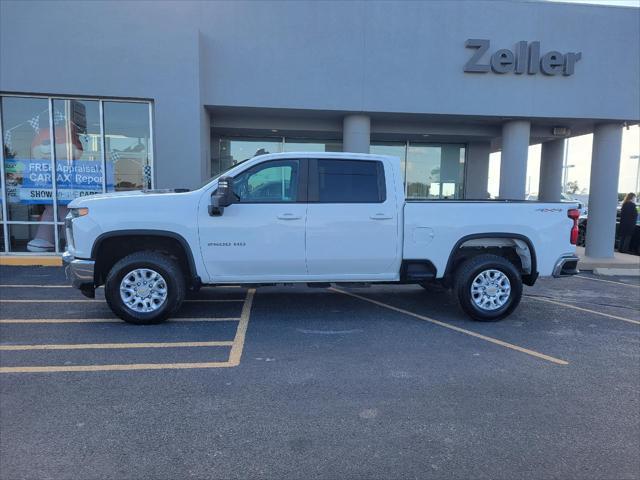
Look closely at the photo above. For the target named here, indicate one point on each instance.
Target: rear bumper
(79, 272)
(566, 266)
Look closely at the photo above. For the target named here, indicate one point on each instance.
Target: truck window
(350, 181)
(271, 182)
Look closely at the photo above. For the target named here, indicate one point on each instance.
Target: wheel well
(113, 248)
(518, 251)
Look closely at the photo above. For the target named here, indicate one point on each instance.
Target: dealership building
(129, 95)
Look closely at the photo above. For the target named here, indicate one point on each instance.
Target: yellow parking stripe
(241, 331)
(109, 368)
(235, 353)
(495, 341)
(35, 286)
(101, 346)
(574, 307)
(108, 320)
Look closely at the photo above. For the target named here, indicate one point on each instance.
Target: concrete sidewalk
(620, 264)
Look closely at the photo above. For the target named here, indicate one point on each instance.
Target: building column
(476, 176)
(551, 159)
(356, 133)
(603, 190)
(513, 162)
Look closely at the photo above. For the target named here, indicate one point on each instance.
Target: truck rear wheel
(145, 287)
(488, 287)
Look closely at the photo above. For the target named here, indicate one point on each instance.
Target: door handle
(289, 216)
(381, 216)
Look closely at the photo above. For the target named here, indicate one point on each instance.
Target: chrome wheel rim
(490, 290)
(143, 290)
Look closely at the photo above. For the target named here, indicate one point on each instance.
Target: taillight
(574, 214)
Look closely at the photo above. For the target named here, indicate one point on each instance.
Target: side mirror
(223, 197)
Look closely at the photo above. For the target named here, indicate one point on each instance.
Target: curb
(30, 261)
(619, 272)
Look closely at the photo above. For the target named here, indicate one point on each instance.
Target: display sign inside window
(30, 181)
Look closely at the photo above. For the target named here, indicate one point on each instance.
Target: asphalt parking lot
(380, 382)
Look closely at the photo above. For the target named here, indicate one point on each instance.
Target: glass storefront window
(22, 237)
(78, 150)
(127, 145)
(311, 145)
(394, 149)
(435, 171)
(431, 171)
(234, 151)
(27, 158)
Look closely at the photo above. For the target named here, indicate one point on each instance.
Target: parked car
(315, 218)
(635, 240)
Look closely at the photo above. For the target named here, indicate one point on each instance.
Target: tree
(572, 186)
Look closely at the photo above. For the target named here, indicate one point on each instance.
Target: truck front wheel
(145, 287)
(488, 287)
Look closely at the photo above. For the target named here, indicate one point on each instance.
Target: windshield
(223, 172)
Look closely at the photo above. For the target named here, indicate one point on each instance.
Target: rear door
(352, 221)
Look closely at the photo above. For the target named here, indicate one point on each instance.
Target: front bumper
(566, 266)
(79, 272)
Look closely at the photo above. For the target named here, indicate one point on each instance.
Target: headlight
(78, 212)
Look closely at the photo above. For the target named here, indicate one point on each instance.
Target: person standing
(628, 219)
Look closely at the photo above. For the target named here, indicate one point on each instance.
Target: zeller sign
(525, 59)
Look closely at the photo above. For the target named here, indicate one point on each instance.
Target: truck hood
(88, 200)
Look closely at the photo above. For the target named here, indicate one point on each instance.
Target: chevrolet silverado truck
(314, 218)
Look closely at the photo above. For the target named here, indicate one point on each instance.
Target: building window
(235, 150)
(85, 161)
(431, 171)
(311, 145)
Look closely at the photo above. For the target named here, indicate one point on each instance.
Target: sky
(579, 155)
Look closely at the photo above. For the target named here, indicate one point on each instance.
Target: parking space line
(235, 354)
(241, 331)
(495, 341)
(104, 346)
(574, 307)
(35, 286)
(608, 281)
(107, 320)
(116, 367)
(74, 300)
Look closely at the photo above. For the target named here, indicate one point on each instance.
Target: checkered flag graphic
(147, 176)
(114, 156)
(58, 117)
(8, 139)
(35, 123)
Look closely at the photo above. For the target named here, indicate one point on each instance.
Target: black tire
(165, 266)
(469, 270)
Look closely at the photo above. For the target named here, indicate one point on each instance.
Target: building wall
(409, 57)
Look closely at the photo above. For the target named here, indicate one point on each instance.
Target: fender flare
(528, 279)
(156, 233)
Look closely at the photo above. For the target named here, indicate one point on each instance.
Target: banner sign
(29, 181)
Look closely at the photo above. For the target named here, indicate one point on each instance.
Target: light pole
(637, 157)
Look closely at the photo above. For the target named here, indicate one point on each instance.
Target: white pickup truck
(315, 218)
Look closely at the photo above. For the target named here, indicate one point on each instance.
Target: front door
(261, 237)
